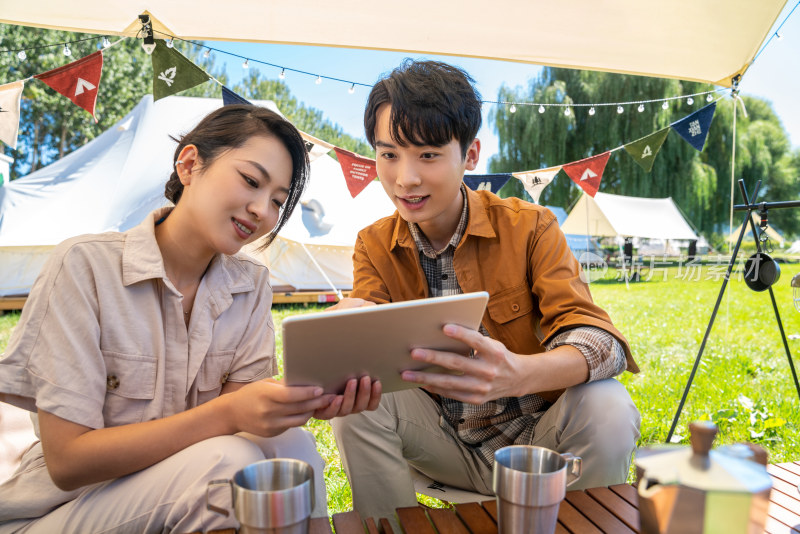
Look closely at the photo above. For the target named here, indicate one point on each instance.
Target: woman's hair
(432, 104)
(230, 127)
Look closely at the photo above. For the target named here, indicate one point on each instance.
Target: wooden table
(612, 510)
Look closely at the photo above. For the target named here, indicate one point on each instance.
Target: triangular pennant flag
(316, 147)
(486, 182)
(644, 150)
(10, 96)
(534, 182)
(229, 97)
(694, 128)
(78, 81)
(172, 72)
(588, 172)
(358, 170)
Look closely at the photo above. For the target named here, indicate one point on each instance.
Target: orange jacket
(512, 249)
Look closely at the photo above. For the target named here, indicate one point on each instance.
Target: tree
(50, 125)
(699, 182)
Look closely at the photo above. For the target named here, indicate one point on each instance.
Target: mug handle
(573, 467)
(211, 507)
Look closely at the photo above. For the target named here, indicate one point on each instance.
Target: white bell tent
(608, 215)
(114, 181)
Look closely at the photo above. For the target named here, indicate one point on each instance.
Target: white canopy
(710, 41)
(748, 236)
(114, 181)
(608, 215)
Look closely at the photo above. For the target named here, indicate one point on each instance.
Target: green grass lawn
(744, 383)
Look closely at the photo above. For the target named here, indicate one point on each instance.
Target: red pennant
(79, 81)
(358, 170)
(588, 172)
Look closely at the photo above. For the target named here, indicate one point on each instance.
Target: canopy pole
(733, 161)
(325, 276)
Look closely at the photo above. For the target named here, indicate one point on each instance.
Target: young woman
(147, 355)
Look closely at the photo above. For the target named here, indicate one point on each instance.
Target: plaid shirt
(509, 420)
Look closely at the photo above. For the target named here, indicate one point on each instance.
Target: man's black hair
(432, 104)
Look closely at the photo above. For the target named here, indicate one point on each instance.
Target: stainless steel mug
(270, 497)
(530, 483)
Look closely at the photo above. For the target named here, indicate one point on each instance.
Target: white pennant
(316, 147)
(10, 97)
(534, 182)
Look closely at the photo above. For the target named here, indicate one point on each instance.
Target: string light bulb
(352, 89)
(319, 80)
(207, 53)
(246, 64)
(22, 55)
(690, 100)
(170, 43)
(541, 109)
(512, 109)
(665, 105)
(709, 98)
(282, 75)
(640, 108)
(566, 112)
(591, 111)
(619, 110)
(67, 52)
(106, 42)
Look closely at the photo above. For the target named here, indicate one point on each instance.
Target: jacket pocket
(130, 386)
(510, 304)
(213, 374)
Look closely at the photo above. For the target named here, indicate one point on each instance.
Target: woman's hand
(268, 407)
(359, 395)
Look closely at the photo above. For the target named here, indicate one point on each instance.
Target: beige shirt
(102, 342)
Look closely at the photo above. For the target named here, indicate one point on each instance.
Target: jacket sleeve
(367, 283)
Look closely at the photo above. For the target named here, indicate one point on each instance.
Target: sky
(774, 76)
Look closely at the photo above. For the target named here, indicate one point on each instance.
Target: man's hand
(493, 371)
(347, 303)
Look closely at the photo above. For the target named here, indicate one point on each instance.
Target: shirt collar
(141, 260)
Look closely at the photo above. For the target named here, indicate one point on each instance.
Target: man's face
(423, 181)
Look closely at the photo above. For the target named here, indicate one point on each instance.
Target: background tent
(608, 215)
(114, 181)
(748, 236)
(711, 41)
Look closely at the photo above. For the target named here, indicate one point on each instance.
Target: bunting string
(173, 72)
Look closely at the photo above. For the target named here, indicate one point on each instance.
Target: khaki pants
(596, 421)
(170, 496)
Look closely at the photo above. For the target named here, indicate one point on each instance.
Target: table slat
(574, 521)
(372, 528)
(413, 520)
(476, 518)
(319, 525)
(627, 492)
(773, 526)
(779, 472)
(598, 515)
(794, 467)
(491, 509)
(348, 523)
(618, 506)
(446, 521)
(785, 494)
(783, 515)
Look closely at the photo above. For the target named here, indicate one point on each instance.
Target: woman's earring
(179, 162)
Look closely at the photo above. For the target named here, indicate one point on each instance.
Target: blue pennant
(488, 182)
(694, 128)
(229, 97)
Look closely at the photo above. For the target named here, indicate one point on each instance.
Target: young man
(545, 354)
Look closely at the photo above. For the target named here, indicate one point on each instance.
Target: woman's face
(238, 198)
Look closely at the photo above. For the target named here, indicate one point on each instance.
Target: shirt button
(444, 277)
(515, 307)
(224, 378)
(112, 382)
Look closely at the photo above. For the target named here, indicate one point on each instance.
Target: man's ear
(187, 164)
(473, 155)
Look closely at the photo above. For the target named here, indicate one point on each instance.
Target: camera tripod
(749, 208)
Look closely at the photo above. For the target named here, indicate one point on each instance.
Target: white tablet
(329, 348)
